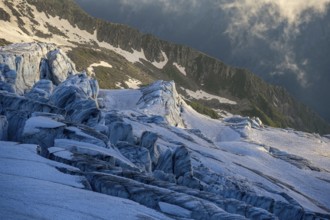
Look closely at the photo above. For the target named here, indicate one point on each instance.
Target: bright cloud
(290, 10)
(254, 19)
(261, 15)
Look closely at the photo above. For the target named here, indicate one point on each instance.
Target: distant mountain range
(123, 57)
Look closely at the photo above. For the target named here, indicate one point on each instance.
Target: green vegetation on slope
(66, 9)
(174, 74)
(4, 42)
(120, 72)
(254, 96)
(203, 109)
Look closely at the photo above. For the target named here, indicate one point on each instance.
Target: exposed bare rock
(140, 153)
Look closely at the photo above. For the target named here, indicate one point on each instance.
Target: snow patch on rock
(134, 148)
(12, 32)
(133, 57)
(161, 64)
(90, 69)
(180, 68)
(133, 83)
(200, 94)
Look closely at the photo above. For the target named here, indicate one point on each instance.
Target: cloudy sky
(286, 42)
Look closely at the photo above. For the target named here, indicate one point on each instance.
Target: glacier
(69, 150)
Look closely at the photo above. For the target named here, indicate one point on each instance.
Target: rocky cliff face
(256, 98)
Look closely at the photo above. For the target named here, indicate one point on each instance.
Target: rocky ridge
(137, 155)
(142, 57)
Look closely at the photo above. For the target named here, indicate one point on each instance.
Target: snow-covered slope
(283, 164)
(28, 24)
(33, 187)
(122, 57)
(159, 98)
(81, 147)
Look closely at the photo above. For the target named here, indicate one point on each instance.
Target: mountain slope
(81, 145)
(140, 58)
(263, 37)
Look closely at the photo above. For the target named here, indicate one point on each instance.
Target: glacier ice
(155, 151)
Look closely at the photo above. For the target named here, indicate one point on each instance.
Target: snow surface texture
(239, 139)
(33, 187)
(90, 154)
